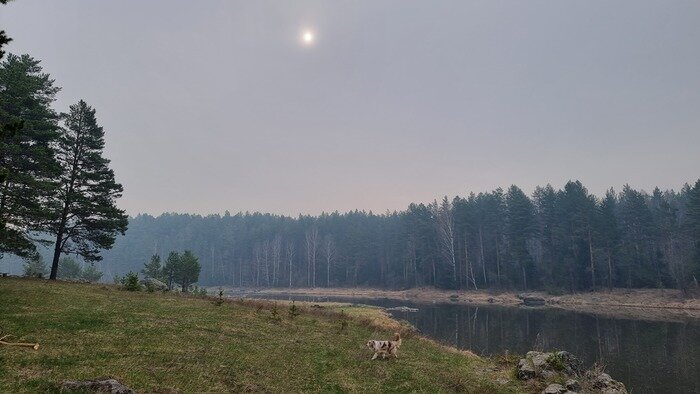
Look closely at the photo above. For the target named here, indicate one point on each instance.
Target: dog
(385, 347)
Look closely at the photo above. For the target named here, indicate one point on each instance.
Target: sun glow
(307, 37)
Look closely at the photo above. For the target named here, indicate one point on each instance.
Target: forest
(58, 198)
(557, 240)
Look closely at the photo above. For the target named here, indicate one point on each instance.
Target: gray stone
(554, 388)
(573, 385)
(106, 385)
(157, 285)
(548, 365)
(526, 370)
(607, 385)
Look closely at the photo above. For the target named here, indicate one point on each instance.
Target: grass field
(155, 342)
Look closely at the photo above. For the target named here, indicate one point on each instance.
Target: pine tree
(4, 39)
(69, 269)
(27, 159)
(153, 269)
(520, 228)
(187, 270)
(609, 232)
(172, 264)
(693, 226)
(86, 218)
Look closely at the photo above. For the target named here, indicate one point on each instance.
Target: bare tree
(290, 259)
(329, 252)
(266, 260)
(257, 256)
(311, 254)
(276, 258)
(468, 265)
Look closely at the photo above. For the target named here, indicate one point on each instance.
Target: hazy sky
(215, 105)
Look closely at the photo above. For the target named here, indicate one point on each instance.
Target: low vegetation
(173, 342)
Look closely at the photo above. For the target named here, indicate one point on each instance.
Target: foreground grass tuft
(156, 342)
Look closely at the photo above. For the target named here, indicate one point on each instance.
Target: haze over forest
(217, 108)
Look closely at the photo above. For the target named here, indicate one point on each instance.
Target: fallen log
(34, 346)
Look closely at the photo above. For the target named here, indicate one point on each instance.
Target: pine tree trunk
(481, 251)
(610, 270)
(56, 256)
(590, 252)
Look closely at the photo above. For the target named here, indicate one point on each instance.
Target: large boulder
(157, 285)
(106, 385)
(547, 364)
(526, 369)
(607, 385)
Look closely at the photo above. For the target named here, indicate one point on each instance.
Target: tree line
(557, 239)
(182, 269)
(56, 187)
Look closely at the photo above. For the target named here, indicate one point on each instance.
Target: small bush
(275, 314)
(150, 287)
(130, 282)
(293, 311)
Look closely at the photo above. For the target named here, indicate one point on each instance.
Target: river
(648, 356)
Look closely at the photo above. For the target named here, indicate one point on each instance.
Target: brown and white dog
(385, 347)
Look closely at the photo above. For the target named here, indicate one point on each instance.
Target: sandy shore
(651, 304)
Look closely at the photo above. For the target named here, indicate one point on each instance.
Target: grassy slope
(167, 342)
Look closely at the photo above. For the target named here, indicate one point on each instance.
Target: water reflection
(648, 356)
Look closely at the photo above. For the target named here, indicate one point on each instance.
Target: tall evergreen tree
(153, 269)
(187, 270)
(27, 159)
(693, 226)
(86, 218)
(520, 229)
(171, 266)
(609, 233)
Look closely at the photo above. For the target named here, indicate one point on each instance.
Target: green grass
(156, 342)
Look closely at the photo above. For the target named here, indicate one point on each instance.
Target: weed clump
(220, 299)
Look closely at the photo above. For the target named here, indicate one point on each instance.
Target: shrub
(293, 311)
(275, 314)
(130, 282)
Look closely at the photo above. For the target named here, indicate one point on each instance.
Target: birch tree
(311, 255)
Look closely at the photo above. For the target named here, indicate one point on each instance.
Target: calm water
(648, 356)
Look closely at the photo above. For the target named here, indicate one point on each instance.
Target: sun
(307, 37)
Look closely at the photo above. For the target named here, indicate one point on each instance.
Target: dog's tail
(397, 338)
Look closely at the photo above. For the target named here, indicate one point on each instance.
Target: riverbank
(166, 342)
(651, 304)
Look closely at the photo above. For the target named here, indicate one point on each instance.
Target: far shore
(649, 304)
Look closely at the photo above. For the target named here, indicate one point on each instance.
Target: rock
(106, 385)
(571, 364)
(402, 309)
(554, 388)
(573, 385)
(157, 285)
(548, 365)
(526, 369)
(607, 385)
